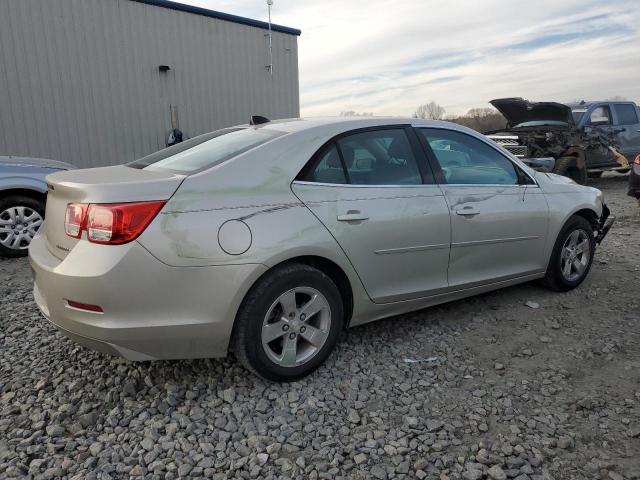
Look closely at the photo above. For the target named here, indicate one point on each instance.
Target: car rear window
(205, 151)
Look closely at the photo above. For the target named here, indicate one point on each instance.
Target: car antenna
(257, 120)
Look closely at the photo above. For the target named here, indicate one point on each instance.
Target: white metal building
(103, 82)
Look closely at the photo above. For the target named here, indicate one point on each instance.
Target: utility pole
(270, 66)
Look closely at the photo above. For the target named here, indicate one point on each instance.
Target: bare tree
(430, 111)
(480, 119)
(353, 113)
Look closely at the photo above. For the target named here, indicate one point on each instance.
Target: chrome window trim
(351, 185)
(481, 185)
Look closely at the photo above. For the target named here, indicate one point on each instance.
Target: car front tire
(567, 167)
(572, 255)
(20, 218)
(288, 323)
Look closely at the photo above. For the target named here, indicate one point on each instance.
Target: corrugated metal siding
(79, 79)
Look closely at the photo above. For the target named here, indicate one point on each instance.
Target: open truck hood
(519, 110)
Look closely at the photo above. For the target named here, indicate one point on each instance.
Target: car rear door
(627, 125)
(373, 191)
(498, 214)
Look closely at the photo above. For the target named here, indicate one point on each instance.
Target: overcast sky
(389, 56)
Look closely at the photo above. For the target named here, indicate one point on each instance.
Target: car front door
(599, 129)
(627, 126)
(373, 190)
(499, 215)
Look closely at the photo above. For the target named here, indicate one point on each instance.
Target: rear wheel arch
(25, 192)
(326, 266)
(300, 275)
(330, 269)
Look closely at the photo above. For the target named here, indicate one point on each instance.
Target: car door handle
(468, 211)
(352, 216)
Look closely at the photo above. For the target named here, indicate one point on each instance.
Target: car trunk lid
(117, 184)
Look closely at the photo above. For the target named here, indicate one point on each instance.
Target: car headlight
(600, 196)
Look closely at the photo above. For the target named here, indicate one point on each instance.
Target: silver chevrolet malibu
(269, 240)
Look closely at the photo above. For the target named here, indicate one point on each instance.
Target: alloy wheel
(296, 326)
(576, 253)
(18, 226)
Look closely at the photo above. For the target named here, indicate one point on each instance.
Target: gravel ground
(500, 389)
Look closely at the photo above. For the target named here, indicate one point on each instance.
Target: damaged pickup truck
(575, 140)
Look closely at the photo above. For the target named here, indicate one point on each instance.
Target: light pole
(270, 66)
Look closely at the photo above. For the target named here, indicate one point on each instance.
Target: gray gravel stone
(498, 402)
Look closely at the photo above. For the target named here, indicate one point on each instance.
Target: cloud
(389, 56)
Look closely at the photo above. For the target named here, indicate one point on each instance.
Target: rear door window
(328, 167)
(626, 113)
(380, 157)
(370, 157)
(206, 151)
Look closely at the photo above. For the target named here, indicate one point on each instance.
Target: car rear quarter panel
(279, 233)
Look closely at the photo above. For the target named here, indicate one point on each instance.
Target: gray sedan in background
(23, 193)
(270, 239)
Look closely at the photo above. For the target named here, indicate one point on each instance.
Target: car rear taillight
(74, 219)
(110, 223)
(637, 160)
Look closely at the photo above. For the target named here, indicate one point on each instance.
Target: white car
(272, 238)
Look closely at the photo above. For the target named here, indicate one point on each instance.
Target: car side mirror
(542, 164)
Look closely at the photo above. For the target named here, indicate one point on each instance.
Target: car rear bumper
(634, 182)
(150, 310)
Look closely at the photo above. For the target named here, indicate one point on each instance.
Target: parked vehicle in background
(23, 192)
(584, 138)
(634, 180)
(299, 229)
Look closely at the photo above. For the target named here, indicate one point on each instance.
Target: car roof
(291, 125)
(587, 104)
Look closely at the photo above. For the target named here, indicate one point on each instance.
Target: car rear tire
(288, 323)
(566, 166)
(572, 255)
(20, 219)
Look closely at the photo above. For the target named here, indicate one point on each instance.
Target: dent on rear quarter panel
(277, 231)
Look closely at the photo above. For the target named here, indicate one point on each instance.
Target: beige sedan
(270, 239)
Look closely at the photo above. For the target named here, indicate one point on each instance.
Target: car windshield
(578, 113)
(205, 151)
(541, 123)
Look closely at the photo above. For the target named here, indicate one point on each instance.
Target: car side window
(380, 157)
(327, 167)
(465, 160)
(626, 113)
(600, 116)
